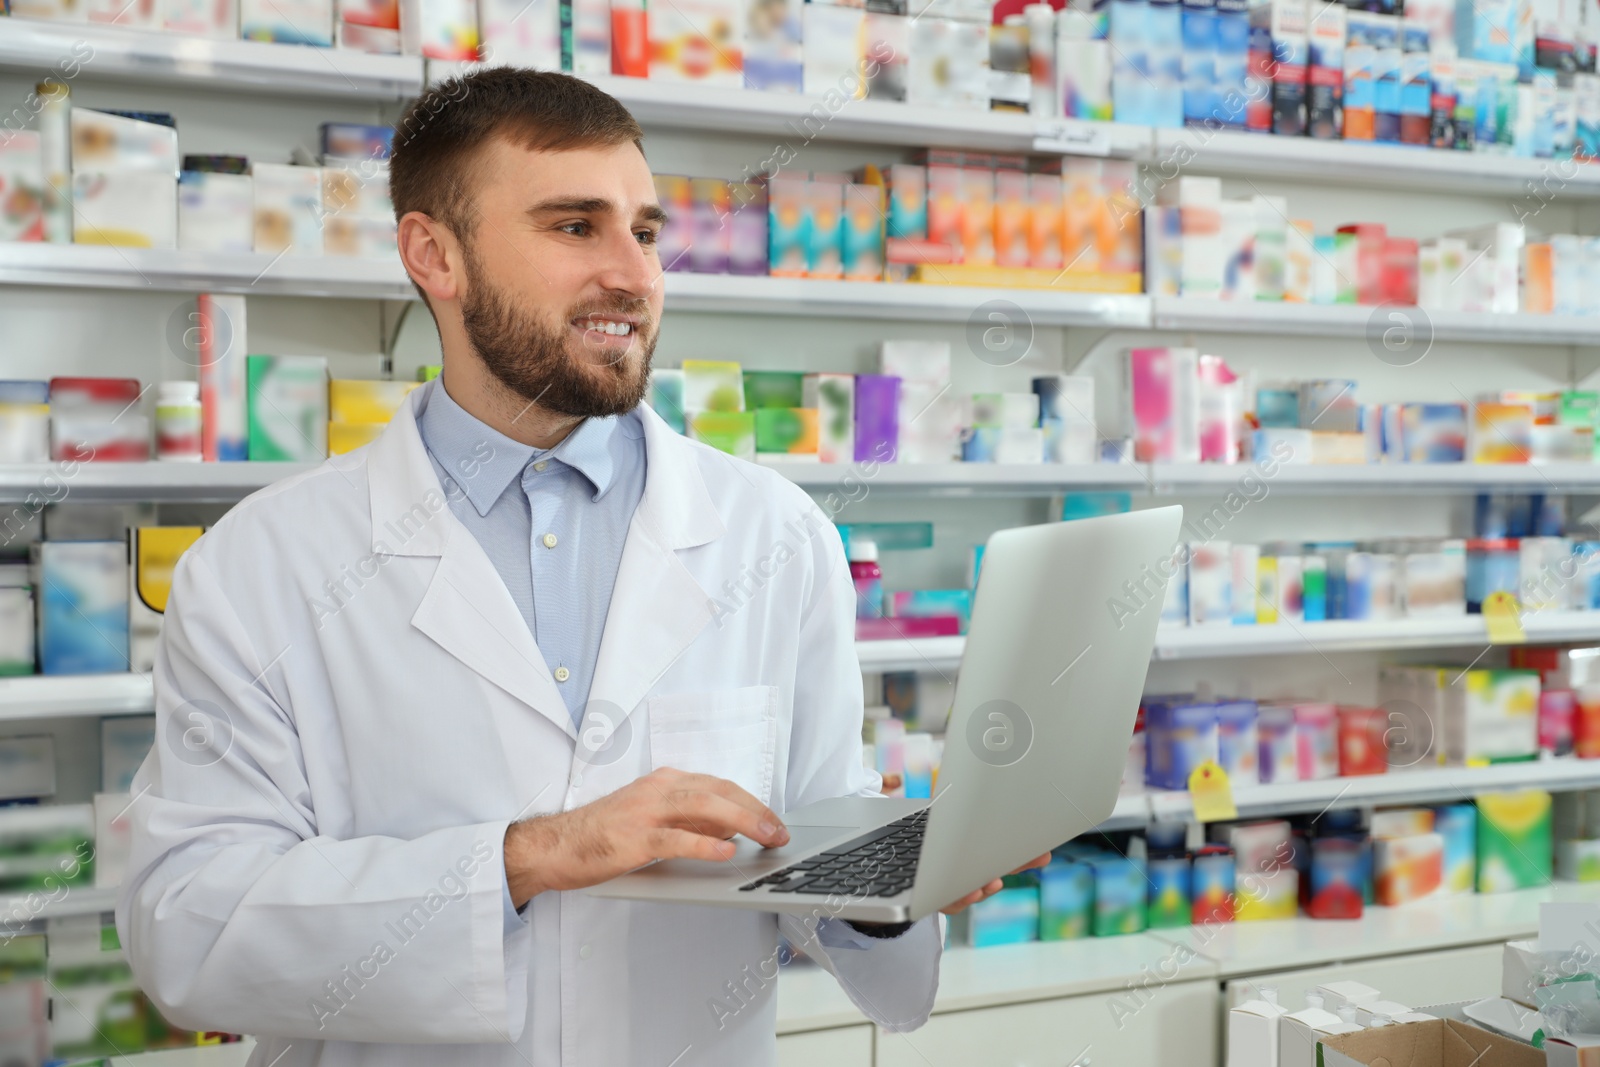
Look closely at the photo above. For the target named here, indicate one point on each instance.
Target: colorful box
(1338, 874)
(1163, 395)
(1179, 736)
(1119, 895)
(1457, 824)
(1211, 883)
(1363, 741)
(833, 397)
(675, 242)
(1169, 903)
(733, 432)
(1514, 845)
(153, 552)
(1263, 895)
(1433, 433)
(877, 417)
(1492, 716)
(774, 389)
(711, 205)
(789, 432)
(1066, 414)
(83, 606)
(1501, 433)
(214, 212)
(666, 397)
(1279, 745)
(525, 33)
(1316, 741)
(1408, 868)
(292, 22)
(287, 399)
(1066, 901)
(698, 40)
(22, 187)
(712, 385)
(287, 209)
(1010, 917)
(217, 333)
(773, 60)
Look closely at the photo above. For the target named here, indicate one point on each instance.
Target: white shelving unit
(225, 482)
(1369, 164)
(1360, 321)
(162, 270)
(236, 1054)
(38, 47)
(1274, 639)
(18, 908)
(65, 696)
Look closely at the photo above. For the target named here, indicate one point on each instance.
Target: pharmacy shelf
(1370, 165)
(225, 482)
(1342, 635)
(1282, 638)
(154, 481)
(1428, 785)
(762, 295)
(795, 120)
(17, 909)
(61, 696)
(236, 1054)
(1356, 320)
(1408, 478)
(164, 270)
(59, 48)
(961, 479)
(1238, 949)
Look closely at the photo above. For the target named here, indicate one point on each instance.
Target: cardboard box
(1436, 1043)
(153, 553)
(1253, 1033)
(288, 408)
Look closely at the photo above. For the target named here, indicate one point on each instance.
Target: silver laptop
(1062, 628)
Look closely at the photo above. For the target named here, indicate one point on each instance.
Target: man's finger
(715, 816)
(733, 792)
(667, 843)
(1033, 864)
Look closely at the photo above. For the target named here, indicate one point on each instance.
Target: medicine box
(153, 553)
(1514, 841)
(288, 408)
(83, 606)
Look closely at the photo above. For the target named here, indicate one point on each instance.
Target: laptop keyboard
(879, 863)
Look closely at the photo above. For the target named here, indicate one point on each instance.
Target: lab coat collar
(657, 606)
(466, 610)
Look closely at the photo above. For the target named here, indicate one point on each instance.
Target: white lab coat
(350, 711)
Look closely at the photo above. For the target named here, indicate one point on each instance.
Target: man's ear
(432, 256)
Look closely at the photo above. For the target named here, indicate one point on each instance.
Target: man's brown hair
(439, 139)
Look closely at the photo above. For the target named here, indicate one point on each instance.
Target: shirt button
(549, 540)
(562, 674)
(541, 465)
(585, 952)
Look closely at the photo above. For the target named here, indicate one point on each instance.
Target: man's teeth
(616, 329)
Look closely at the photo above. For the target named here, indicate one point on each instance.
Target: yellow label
(1502, 617)
(1211, 793)
(156, 552)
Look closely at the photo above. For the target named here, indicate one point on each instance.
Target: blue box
(1238, 744)
(1200, 87)
(1180, 734)
(1232, 62)
(1458, 825)
(1010, 917)
(83, 606)
(1066, 901)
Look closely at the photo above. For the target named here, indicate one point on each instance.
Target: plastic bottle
(1379, 1020)
(1347, 1012)
(1314, 1000)
(868, 576)
(178, 422)
(1269, 993)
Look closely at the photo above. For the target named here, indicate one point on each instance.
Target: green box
(1119, 895)
(1514, 840)
(288, 405)
(733, 432)
(790, 431)
(666, 397)
(773, 389)
(428, 372)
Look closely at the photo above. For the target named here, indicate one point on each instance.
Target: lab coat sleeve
(237, 914)
(892, 980)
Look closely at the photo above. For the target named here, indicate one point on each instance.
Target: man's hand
(993, 887)
(667, 814)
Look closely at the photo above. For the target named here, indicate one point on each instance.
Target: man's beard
(535, 363)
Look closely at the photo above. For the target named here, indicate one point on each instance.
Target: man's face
(563, 288)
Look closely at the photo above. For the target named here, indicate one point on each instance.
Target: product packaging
(287, 399)
(1514, 841)
(83, 606)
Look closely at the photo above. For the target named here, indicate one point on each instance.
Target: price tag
(1211, 794)
(1071, 138)
(1502, 615)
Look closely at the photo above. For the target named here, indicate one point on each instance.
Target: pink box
(1316, 729)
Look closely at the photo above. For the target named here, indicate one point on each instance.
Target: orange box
(1011, 224)
(977, 217)
(1044, 221)
(946, 205)
(1538, 288)
(1363, 741)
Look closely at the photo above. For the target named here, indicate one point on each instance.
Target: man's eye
(577, 229)
(646, 237)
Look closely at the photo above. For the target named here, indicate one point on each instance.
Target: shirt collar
(482, 461)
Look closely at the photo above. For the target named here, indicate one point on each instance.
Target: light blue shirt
(553, 523)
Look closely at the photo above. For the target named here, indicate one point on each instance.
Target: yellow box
(348, 436)
(361, 400)
(1026, 278)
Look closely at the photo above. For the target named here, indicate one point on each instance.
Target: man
(411, 703)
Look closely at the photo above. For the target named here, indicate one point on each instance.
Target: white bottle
(178, 422)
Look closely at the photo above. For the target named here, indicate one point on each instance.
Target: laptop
(1062, 628)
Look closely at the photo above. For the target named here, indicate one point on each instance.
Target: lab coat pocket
(729, 733)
